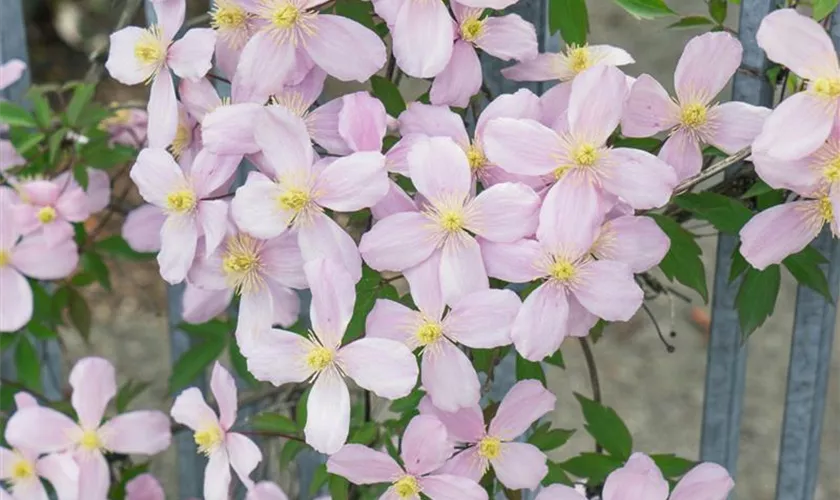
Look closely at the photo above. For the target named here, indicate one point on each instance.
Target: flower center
(90, 440)
(451, 220)
(827, 87)
(826, 210)
(227, 16)
(241, 264)
(561, 171)
(471, 29)
(490, 447)
(585, 155)
(476, 158)
(294, 199)
(5, 258)
(428, 333)
(22, 470)
(562, 270)
(208, 439)
(579, 59)
(693, 115)
(181, 201)
(407, 486)
(285, 15)
(319, 358)
(181, 141)
(46, 215)
(831, 171)
(150, 48)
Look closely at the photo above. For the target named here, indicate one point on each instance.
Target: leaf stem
(593, 377)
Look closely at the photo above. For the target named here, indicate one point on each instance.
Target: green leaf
(93, 264)
(214, 329)
(556, 359)
(368, 289)
(726, 214)
(300, 409)
(646, 9)
(550, 439)
(691, 22)
(40, 331)
(529, 369)
(739, 264)
(604, 424)
(274, 422)
(80, 173)
(365, 434)
(117, 246)
(717, 9)
(407, 403)
(682, 262)
(338, 487)
(28, 142)
(805, 267)
(240, 364)
(128, 392)
(54, 145)
(193, 362)
(389, 94)
(756, 298)
(671, 465)
(759, 187)
(41, 109)
(79, 312)
(823, 8)
(81, 96)
(556, 475)
(14, 115)
(319, 478)
(571, 18)
(592, 466)
(649, 144)
(27, 364)
(290, 451)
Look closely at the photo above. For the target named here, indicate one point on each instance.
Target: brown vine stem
(710, 172)
(593, 377)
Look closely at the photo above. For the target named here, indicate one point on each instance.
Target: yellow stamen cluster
(562, 270)
(471, 29)
(46, 215)
(150, 48)
(208, 439)
(90, 441)
(476, 158)
(407, 486)
(428, 333)
(579, 58)
(182, 140)
(181, 201)
(294, 199)
(827, 87)
(285, 16)
(693, 115)
(22, 470)
(585, 155)
(831, 170)
(241, 264)
(319, 358)
(451, 220)
(5, 258)
(826, 210)
(490, 447)
(228, 15)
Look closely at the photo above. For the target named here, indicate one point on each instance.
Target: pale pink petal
(328, 413)
(62, 472)
(449, 377)
(580, 319)
(707, 481)
(283, 138)
(213, 218)
(388, 10)
(230, 129)
(190, 57)
(156, 174)
(424, 284)
(9, 157)
(540, 326)
(596, 103)
(525, 403)
(137, 432)
(265, 490)
(798, 42)
(244, 455)
(361, 465)
(224, 390)
(446, 486)
(24, 400)
(282, 261)
(16, 302)
(610, 55)
(508, 37)
(607, 289)
(521, 104)
(572, 198)
(256, 315)
(255, 209)
(178, 238)
(798, 175)
(281, 358)
(559, 492)
(322, 238)
(466, 463)
(285, 305)
(391, 320)
(641, 179)
(682, 152)
(199, 97)
(798, 221)
(322, 124)
(190, 409)
(439, 169)
(36, 257)
(163, 111)
(425, 445)
(542, 68)
(10, 72)
(122, 64)
(734, 125)
(353, 182)
(94, 383)
(200, 305)
(639, 479)
(383, 366)
(522, 146)
(264, 66)
(461, 268)
(98, 190)
(426, 119)
(512, 262)
(649, 109)
(465, 425)
(483, 319)
(29, 489)
(422, 37)
(141, 228)
(459, 80)
(520, 466)
(169, 14)
(362, 122)
(505, 212)
(707, 63)
(7, 457)
(94, 475)
(41, 429)
(635, 241)
(333, 298)
(398, 242)
(814, 118)
(344, 48)
(395, 201)
(144, 487)
(217, 477)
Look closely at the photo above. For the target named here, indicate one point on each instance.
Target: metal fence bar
(727, 357)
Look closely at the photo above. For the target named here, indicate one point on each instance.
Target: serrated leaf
(671, 465)
(726, 214)
(592, 466)
(756, 298)
(274, 422)
(691, 22)
(823, 8)
(193, 362)
(606, 427)
(550, 439)
(27, 364)
(571, 18)
(526, 369)
(739, 264)
(389, 94)
(682, 262)
(805, 267)
(79, 312)
(16, 116)
(128, 392)
(290, 451)
(646, 9)
(556, 475)
(81, 96)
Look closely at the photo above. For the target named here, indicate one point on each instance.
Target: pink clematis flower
(51, 207)
(144, 487)
(560, 492)
(23, 470)
(184, 199)
(224, 449)
(516, 465)
(234, 25)
(578, 289)
(98, 192)
(801, 44)
(10, 72)
(706, 65)
(480, 319)
(266, 490)
(45, 430)
(140, 55)
(298, 192)
(438, 236)
(528, 148)
(29, 256)
(635, 240)
(127, 126)
(385, 367)
(425, 448)
(641, 479)
(505, 37)
(141, 229)
(263, 273)
(567, 65)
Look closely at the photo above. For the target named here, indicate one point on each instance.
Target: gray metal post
(810, 359)
(727, 358)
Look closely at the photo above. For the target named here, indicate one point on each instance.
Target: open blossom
(127, 126)
(516, 465)
(641, 479)
(426, 446)
(183, 197)
(578, 288)
(300, 189)
(140, 55)
(382, 366)
(24, 256)
(44, 430)
(141, 229)
(506, 37)
(706, 65)
(234, 26)
(480, 319)
(262, 273)
(144, 487)
(50, 207)
(224, 449)
(527, 147)
(439, 234)
(801, 44)
(10, 72)
(567, 65)
(635, 240)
